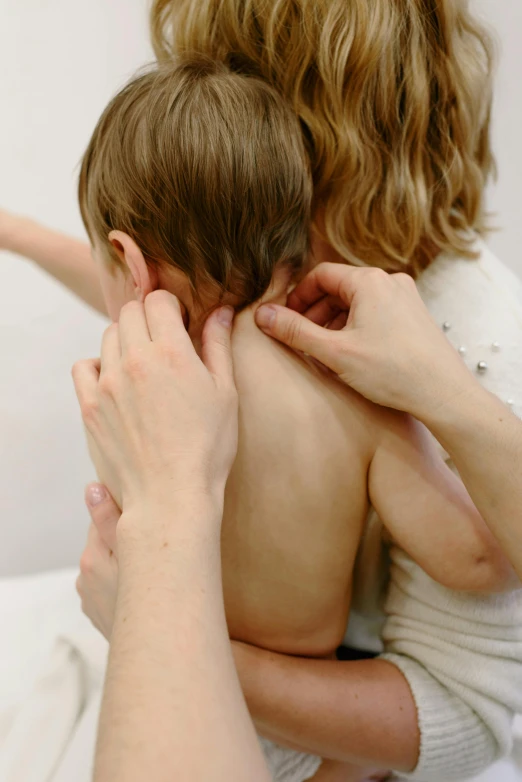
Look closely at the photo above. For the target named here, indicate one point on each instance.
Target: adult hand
(97, 583)
(164, 420)
(373, 330)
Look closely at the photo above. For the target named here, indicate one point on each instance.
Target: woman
(372, 164)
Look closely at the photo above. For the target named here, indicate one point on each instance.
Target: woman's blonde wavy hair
(394, 99)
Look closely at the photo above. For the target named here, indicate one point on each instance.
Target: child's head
(394, 97)
(202, 173)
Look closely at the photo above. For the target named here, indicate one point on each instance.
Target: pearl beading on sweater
(482, 366)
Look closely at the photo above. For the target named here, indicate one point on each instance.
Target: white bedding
(51, 673)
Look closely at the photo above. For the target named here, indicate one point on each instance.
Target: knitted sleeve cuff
(454, 742)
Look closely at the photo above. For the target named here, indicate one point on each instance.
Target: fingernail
(265, 316)
(225, 316)
(94, 494)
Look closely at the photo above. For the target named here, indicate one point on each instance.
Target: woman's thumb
(104, 512)
(299, 333)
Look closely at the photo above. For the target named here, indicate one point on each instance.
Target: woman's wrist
(152, 525)
(168, 550)
(442, 394)
(463, 414)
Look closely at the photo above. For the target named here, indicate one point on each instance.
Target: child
(196, 180)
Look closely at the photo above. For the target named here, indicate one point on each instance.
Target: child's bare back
(312, 457)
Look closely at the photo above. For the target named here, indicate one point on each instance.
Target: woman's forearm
(66, 259)
(171, 686)
(484, 439)
(358, 712)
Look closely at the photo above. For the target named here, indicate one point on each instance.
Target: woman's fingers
(325, 310)
(111, 348)
(164, 316)
(86, 376)
(104, 513)
(339, 322)
(133, 327)
(327, 279)
(299, 333)
(217, 346)
(158, 319)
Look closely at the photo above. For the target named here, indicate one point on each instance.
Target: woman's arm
(427, 511)
(359, 712)
(450, 677)
(172, 707)
(179, 623)
(455, 684)
(66, 259)
(484, 440)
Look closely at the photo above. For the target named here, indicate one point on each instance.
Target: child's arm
(428, 512)
(66, 259)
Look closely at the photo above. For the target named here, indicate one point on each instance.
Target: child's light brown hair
(206, 170)
(394, 97)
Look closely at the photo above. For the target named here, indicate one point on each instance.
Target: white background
(60, 61)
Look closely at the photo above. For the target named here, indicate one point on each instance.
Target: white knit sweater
(482, 303)
(461, 654)
(462, 657)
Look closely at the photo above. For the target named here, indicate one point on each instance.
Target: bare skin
(372, 313)
(265, 582)
(66, 259)
(312, 458)
(330, 444)
(331, 771)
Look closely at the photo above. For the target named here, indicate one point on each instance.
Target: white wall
(506, 195)
(60, 60)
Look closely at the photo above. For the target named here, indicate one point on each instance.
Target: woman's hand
(163, 421)
(97, 583)
(373, 330)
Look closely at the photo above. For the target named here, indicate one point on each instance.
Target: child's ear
(145, 278)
